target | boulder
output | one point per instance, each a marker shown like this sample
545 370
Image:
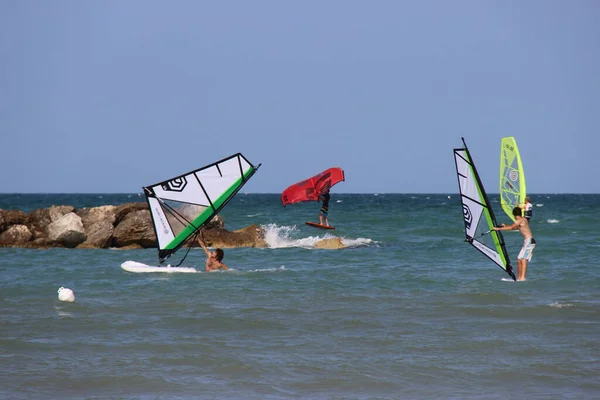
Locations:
41 243
133 246
215 223
12 217
15 235
330 243
67 230
39 219
135 228
250 236
98 223
122 210
57 212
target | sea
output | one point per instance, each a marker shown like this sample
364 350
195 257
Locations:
407 310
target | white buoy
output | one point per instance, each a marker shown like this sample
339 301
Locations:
66 294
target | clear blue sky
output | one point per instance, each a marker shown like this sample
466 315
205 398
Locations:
108 96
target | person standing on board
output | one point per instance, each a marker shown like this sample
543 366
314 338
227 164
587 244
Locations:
528 209
524 256
214 258
324 197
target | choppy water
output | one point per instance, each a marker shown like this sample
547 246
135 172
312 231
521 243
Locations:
407 311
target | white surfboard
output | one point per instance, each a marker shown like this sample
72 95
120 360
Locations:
138 267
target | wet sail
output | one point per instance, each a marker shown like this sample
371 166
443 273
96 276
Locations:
181 206
310 189
478 214
512 177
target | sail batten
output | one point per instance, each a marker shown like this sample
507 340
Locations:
479 218
183 205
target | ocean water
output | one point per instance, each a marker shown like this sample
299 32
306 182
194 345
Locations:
407 311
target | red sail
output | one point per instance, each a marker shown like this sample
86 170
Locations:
311 188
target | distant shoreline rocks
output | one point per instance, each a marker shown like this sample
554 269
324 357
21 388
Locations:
126 226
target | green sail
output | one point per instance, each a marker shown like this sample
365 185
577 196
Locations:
512 177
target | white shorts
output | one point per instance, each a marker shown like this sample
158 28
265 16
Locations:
527 249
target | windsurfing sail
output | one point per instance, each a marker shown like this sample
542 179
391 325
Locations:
183 205
477 212
310 189
512 177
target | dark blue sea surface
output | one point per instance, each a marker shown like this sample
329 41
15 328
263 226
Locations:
407 310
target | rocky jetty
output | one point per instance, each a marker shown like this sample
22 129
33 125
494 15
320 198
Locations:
127 226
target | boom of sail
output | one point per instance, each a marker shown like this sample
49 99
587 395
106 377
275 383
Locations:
512 177
310 189
183 205
478 214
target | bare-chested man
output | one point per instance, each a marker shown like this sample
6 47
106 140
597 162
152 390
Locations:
213 260
524 256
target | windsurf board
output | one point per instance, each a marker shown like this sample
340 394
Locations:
138 267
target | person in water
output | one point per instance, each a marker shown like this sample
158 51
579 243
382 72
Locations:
524 256
214 258
324 197
528 209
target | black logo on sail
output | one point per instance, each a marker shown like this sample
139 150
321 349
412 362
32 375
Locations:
175 185
467 216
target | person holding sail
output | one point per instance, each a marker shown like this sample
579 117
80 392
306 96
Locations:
524 256
214 258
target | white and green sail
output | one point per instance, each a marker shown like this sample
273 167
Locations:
512 177
181 206
478 215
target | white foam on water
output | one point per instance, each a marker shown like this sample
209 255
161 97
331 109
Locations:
556 304
278 237
282 268
358 242
62 313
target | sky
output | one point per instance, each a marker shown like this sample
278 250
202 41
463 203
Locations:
109 96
